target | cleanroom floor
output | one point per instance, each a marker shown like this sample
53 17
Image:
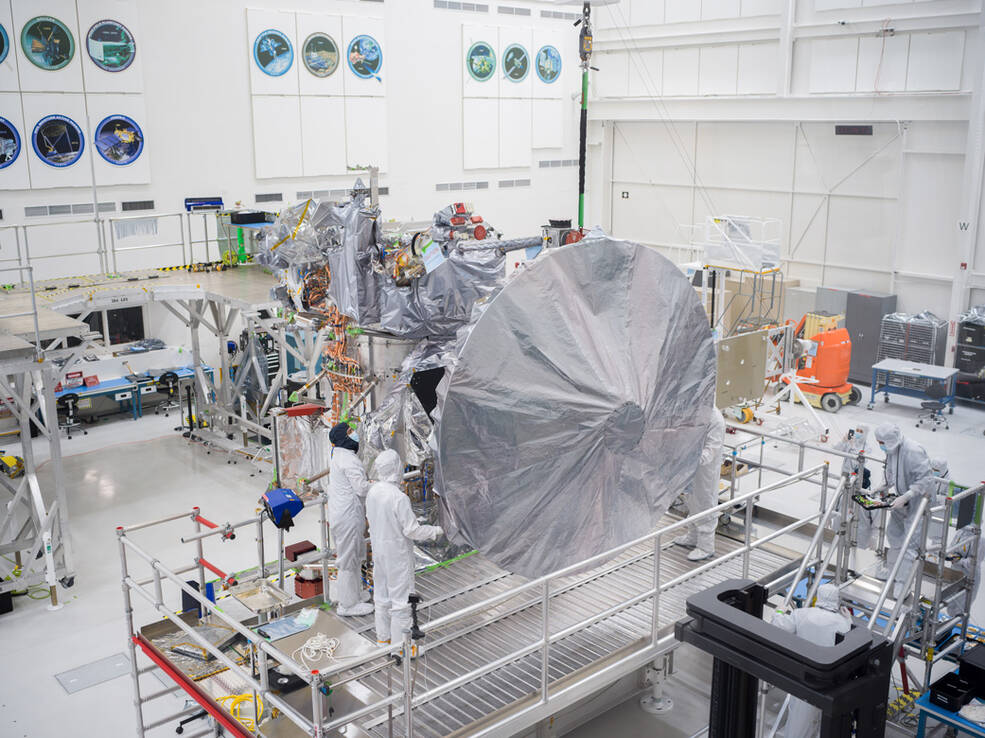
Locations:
127 471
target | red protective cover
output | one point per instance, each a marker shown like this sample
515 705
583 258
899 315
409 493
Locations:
192 689
306 409
91 381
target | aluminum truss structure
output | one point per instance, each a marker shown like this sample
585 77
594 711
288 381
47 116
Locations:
34 530
35 541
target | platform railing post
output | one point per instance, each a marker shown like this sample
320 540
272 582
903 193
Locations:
735 456
762 447
747 538
261 564
545 627
655 615
131 634
323 526
280 558
408 694
316 706
201 554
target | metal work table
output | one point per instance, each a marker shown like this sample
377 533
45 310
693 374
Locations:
943 716
884 372
123 390
120 389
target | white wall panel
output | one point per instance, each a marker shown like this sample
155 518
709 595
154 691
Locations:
646 73
130 79
718 70
714 9
745 155
32 77
258 21
644 12
741 202
836 4
522 37
276 136
481 134
651 214
858 165
8 67
759 65
471 35
548 124
807 228
374 86
654 152
15 176
932 186
949 137
36 107
681 72
331 26
612 79
132 106
681 11
861 231
366 132
607 17
935 61
882 63
760 7
833 64
515 121
323 136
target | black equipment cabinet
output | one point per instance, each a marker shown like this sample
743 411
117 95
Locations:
848 682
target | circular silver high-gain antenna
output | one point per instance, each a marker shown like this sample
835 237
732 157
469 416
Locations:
577 408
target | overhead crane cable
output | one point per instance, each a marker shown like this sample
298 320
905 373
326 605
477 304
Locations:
661 109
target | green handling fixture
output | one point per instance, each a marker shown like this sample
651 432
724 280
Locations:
585 51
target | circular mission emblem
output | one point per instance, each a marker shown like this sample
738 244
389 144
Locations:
481 61
320 55
47 43
516 63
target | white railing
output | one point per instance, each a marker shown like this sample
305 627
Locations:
540 590
193 239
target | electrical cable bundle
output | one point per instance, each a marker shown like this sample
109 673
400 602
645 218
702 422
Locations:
315 649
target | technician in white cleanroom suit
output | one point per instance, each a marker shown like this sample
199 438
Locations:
703 494
908 472
854 443
393 529
819 625
347 488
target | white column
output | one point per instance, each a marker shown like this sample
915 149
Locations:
971 199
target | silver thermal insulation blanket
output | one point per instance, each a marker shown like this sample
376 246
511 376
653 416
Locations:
574 412
346 237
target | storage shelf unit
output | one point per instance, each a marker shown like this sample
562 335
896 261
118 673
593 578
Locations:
920 338
970 361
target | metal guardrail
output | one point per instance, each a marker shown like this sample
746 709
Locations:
33 312
108 250
381 658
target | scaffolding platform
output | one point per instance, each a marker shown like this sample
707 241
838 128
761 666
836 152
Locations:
621 638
